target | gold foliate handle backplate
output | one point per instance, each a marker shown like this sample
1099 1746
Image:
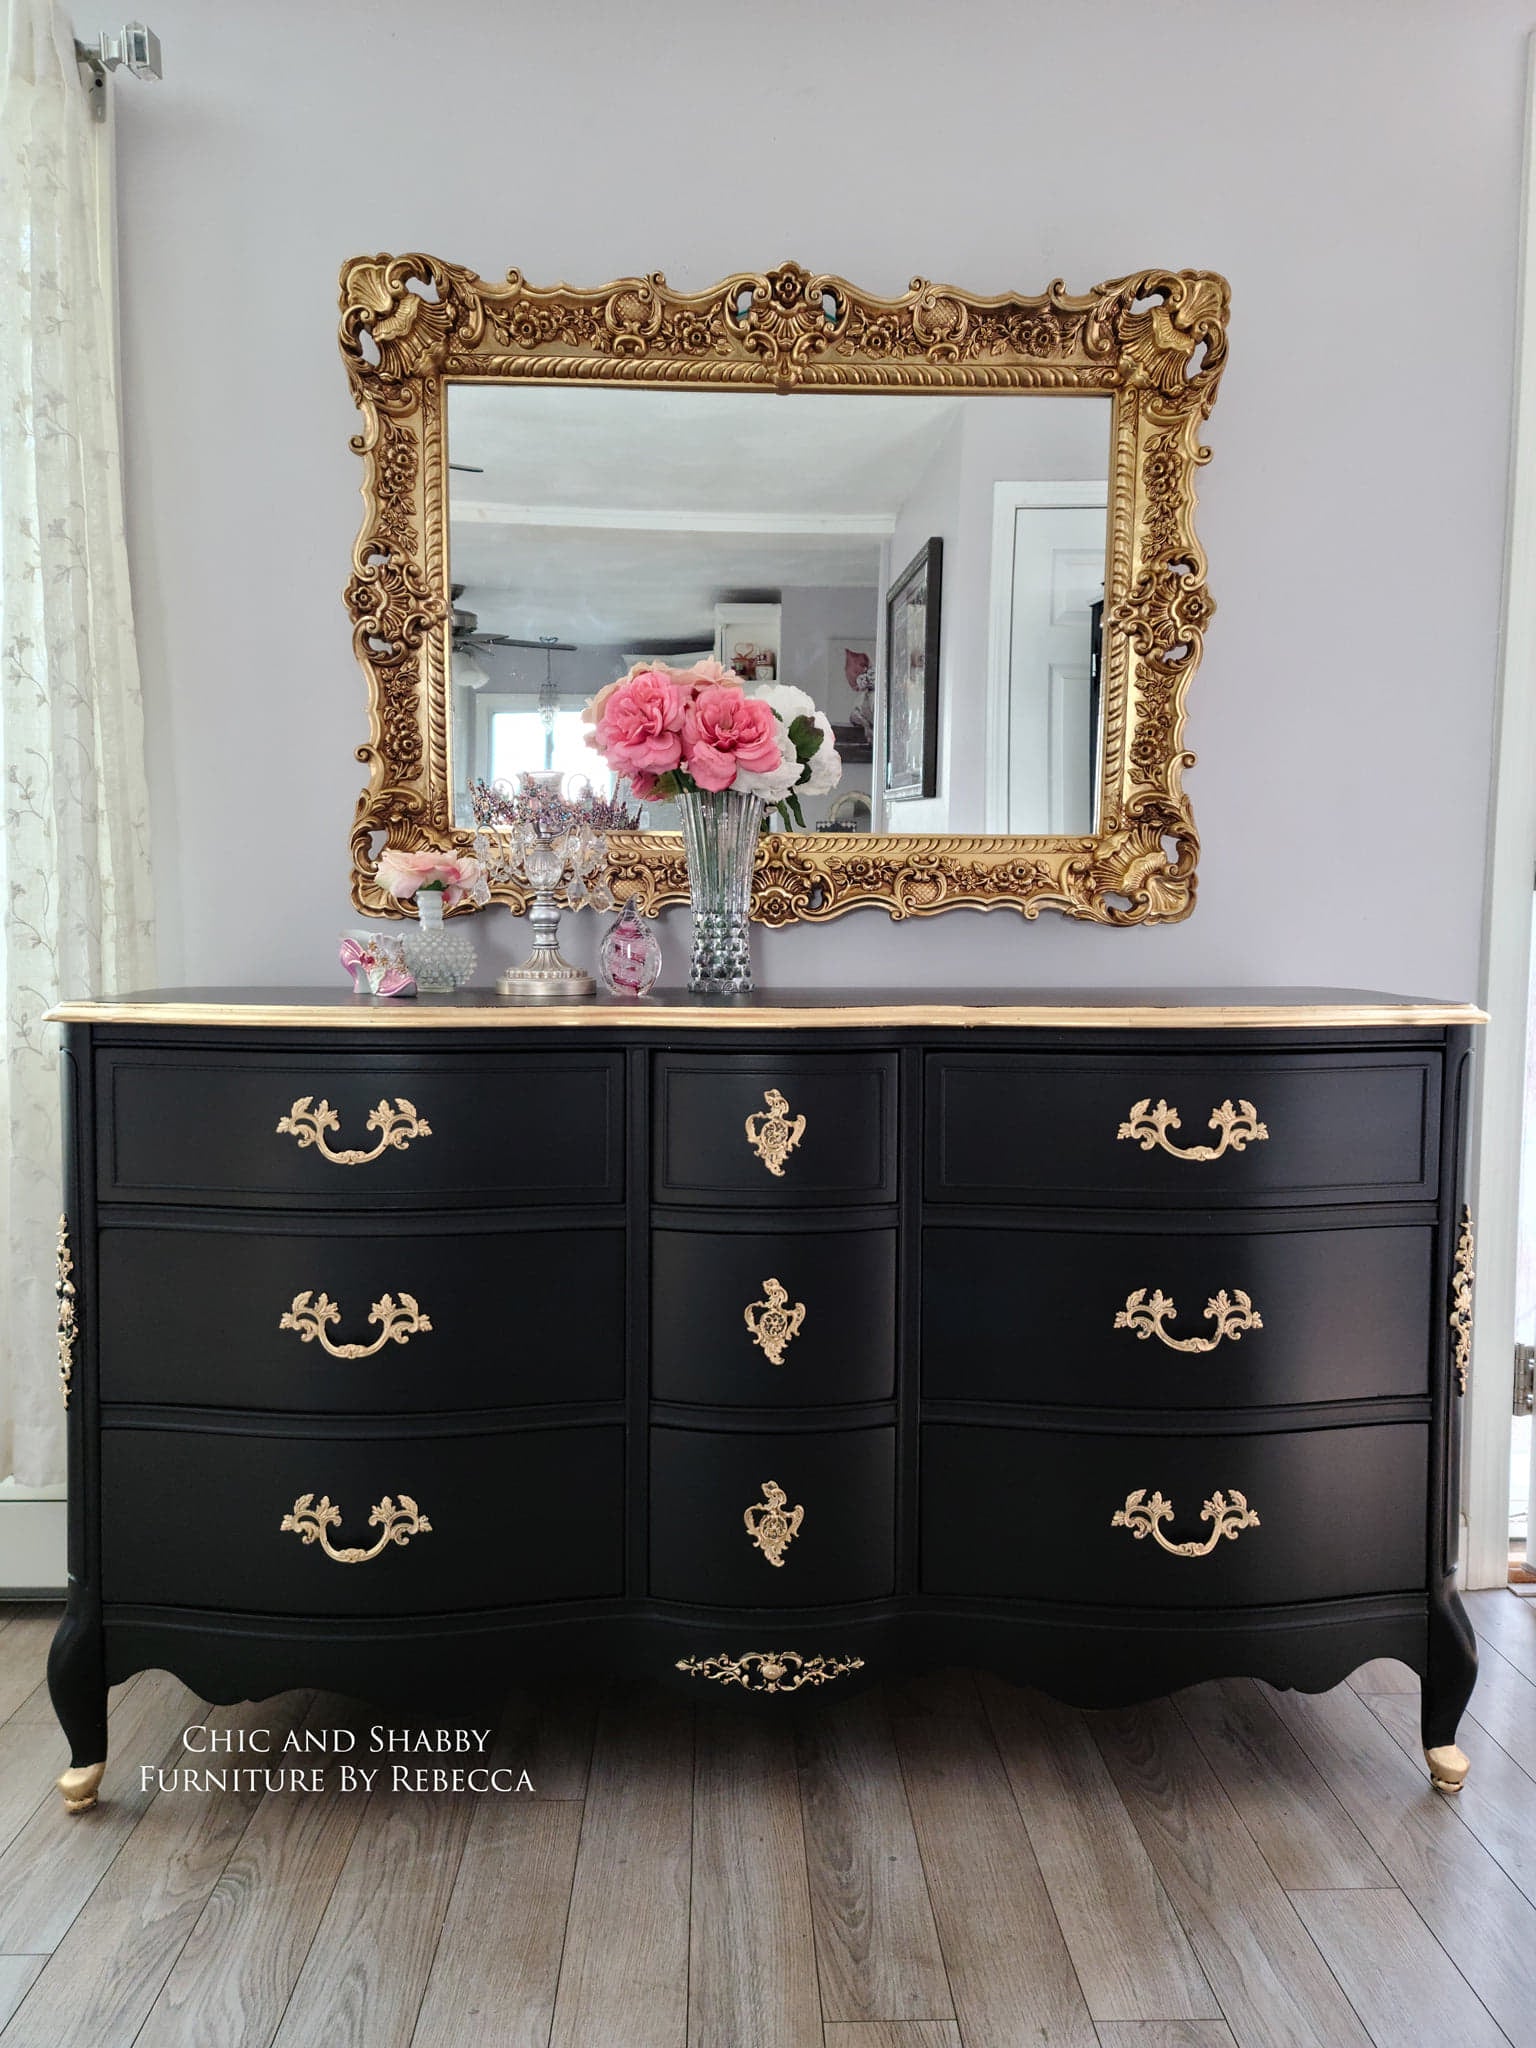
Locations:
773 1133
771 1529
1150 1126
69 1323
312 1522
311 1316
769 1670
1232 1314
1227 1515
309 1122
772 1322
1463 1274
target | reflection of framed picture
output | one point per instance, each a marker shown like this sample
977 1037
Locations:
849 697
912 677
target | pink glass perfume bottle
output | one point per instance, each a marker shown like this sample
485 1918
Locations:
629 959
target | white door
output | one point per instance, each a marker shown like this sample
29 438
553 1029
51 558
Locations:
1055 574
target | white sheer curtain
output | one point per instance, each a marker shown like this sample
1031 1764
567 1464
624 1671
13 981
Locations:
74 867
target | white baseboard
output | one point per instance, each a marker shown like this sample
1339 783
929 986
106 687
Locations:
34 1545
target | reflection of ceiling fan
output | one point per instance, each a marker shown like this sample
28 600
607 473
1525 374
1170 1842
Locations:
469 644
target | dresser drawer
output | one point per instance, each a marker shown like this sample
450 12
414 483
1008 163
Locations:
195 1519
446 1317
775 1131
1030 1316
362 1131
1030 1514
822 1309
705 1482
1079 1127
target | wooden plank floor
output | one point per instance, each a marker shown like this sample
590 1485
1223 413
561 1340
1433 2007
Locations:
951 1863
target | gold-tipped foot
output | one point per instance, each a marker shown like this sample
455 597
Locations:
78 1784
1448 1767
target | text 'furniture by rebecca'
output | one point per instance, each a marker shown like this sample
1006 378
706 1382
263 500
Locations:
1112 1343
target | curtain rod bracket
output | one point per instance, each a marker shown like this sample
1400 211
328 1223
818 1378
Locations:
134 45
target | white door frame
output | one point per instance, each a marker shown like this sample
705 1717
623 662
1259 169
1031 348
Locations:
1008 499
1506 954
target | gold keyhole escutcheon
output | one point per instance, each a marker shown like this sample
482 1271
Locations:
773 1133
771 1523
772 1322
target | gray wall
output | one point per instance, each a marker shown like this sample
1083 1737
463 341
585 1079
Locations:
1351 165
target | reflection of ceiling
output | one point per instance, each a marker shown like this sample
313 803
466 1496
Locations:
621 517
624 589
714 451
703 461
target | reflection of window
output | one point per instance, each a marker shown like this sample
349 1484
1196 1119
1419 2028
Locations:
521 740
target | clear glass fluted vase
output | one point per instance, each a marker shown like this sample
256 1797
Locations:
720 832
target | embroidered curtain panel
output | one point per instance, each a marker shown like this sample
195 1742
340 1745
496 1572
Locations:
74 867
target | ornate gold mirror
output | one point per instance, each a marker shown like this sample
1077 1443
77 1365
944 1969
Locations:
560 482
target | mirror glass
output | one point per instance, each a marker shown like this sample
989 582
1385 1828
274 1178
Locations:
789 538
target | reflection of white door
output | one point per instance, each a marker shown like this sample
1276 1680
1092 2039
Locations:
1048 570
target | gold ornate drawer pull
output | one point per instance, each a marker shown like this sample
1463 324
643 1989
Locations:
1231 1314
772 1322
772 1133
310 1523
1150 1126
399 1321
396 1128
769 1670
1461 1300
1143 1517
770 1528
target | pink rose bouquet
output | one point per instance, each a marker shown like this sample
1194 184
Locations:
672 730
402 874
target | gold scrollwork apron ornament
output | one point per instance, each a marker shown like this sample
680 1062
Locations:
769 1670
772 1133
772 1322
313 1523
770 1528
1145 1517
1239 1128
1230 1315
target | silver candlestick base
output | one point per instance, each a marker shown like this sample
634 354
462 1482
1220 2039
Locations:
544 977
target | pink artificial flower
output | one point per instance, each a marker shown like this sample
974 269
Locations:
401 874
643 786
724 730
641 725
704 672
592 710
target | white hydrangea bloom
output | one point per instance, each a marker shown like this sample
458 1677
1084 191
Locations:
772 784
825 767
786 702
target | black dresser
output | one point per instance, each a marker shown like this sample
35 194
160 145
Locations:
767 1346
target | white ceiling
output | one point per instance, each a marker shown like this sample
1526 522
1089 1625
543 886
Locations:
696 459
620 517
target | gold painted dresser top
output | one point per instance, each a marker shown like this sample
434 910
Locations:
1183 1009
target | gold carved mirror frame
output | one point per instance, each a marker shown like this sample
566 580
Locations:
1155 343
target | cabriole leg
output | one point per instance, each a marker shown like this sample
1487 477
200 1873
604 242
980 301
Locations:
78 1688
1448 1684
